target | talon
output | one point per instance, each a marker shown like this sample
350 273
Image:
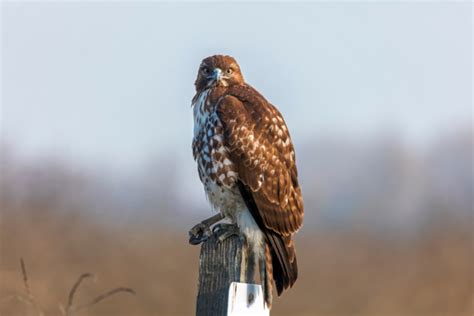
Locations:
194 240
217 228
199 233
223 231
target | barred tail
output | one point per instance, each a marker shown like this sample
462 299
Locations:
267 277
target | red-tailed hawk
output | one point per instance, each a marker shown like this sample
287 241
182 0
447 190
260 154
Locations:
246 162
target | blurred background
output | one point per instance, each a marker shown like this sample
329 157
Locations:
97 172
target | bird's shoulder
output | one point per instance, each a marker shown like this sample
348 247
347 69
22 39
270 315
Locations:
248 103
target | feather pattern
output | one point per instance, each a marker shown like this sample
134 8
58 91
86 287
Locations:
259 144
247 164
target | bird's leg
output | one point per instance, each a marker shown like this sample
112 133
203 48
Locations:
222 231
201 232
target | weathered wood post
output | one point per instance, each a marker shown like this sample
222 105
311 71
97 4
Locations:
219 270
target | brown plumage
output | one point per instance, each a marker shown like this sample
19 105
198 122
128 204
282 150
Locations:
242 144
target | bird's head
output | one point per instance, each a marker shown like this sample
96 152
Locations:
218 70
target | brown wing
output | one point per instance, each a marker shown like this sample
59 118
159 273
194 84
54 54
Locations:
260 145
259 142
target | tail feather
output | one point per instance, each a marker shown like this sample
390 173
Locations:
266 274
281 258
285 269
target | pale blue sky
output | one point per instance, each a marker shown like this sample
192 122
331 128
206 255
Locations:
112 82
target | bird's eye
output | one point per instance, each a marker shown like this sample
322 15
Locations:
205 70
229 71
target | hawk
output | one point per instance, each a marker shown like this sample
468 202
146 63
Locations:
246 162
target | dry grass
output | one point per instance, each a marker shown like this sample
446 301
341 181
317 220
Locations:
342 272
70 308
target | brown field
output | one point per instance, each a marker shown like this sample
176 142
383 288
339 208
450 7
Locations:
388 231
342 272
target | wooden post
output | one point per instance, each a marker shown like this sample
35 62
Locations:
219 269
219 266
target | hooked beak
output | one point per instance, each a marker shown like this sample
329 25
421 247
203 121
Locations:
216 75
